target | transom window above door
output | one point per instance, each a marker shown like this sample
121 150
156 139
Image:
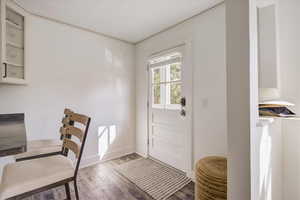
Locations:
166 81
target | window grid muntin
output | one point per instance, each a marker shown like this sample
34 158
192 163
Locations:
165 84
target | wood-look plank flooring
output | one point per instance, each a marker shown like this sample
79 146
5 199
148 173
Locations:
102 182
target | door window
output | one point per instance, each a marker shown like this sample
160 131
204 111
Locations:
166 81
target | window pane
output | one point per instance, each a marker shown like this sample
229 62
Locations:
156 94
156 75
175 93
175 71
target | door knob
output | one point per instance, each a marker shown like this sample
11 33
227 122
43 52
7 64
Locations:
183 102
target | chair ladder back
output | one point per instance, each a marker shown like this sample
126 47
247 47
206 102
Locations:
79 118
88 120
66 122
68 111
71 130
73 146
69 144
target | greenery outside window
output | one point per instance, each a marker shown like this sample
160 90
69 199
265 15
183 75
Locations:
166 82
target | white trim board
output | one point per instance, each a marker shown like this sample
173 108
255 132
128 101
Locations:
95 159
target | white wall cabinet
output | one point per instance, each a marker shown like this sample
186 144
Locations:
13 24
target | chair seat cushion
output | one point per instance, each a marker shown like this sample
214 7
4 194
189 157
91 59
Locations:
25 176
40 147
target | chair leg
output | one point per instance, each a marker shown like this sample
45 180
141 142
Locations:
76 190
68 194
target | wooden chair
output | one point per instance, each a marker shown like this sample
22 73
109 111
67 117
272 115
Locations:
23 179
44 148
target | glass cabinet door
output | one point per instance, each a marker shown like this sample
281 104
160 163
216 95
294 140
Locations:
14 49
12 60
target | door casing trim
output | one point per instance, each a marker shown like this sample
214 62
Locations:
188 60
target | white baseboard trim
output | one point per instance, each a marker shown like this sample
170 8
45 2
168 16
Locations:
96 159
191 175
142 154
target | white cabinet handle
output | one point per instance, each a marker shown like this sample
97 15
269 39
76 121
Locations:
5 70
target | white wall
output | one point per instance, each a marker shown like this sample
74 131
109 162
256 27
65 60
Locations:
91 74
289 48
207 33
242 95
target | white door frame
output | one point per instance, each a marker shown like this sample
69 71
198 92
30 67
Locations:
187 60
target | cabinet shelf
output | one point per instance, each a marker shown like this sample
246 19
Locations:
14 45
13 24
13 64
14 81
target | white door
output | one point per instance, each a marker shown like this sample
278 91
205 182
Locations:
170 84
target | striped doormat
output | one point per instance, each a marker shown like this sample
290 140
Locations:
159 181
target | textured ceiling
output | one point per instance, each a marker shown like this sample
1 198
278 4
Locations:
129 20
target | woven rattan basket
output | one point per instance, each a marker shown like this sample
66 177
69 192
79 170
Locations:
211 178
